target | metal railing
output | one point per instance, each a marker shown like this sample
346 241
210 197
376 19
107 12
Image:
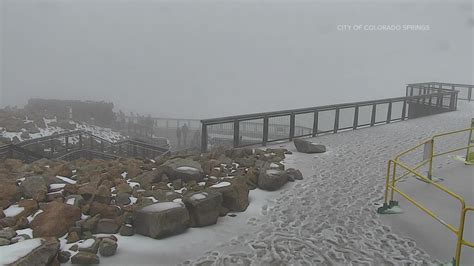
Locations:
428 149
465 90
77 143
313 121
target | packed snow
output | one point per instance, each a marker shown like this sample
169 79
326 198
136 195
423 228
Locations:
161 206
221 184
13 210
12 253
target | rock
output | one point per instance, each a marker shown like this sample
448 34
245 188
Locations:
20 238
124 188
9 193
161 219
305 146
90 245
7 233
294 174
45 254
235 194
184 169
122 198
103 194
238 152
91 223
146 179
62 170
4 242
203 207
85 258
107 247
55 219
126 230
64 256
246 161
77 200
105 211
272 179
72 237
87 190
34 187
107 226
12 164
177 184
223 211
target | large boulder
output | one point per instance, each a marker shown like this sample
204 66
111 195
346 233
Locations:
162 219
85 258
9 193
235 194
44 253
203 207
305 146
272 179
55 219
184 169
34 187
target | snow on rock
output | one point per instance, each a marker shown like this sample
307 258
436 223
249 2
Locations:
12 253
187 169
56 186
13 210
86 243
67 180
161 206
221 184
199 196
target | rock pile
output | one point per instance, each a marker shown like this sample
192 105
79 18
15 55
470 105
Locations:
76 200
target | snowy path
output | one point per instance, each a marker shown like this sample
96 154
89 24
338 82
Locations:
330 217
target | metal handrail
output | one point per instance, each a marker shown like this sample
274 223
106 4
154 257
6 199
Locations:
392 180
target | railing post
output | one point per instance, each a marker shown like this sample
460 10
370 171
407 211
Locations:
389 112
292 127
404 110
265 130
336 121
356 118
236 133
315 123
374 111
203 137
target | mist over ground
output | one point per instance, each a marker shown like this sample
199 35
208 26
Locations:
206 59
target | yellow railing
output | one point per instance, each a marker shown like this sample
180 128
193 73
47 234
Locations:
429 154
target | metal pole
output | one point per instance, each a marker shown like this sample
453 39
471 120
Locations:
292 126
389 112
336 121
356 118
404 109
315 123
236 133
203 137
374 110
265 130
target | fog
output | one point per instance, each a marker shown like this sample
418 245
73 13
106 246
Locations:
201 59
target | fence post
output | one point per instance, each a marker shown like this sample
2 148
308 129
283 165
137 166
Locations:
203 137
292 127
315 123
265 130
336 121
404 110
236 133
389 112
356 118
374 110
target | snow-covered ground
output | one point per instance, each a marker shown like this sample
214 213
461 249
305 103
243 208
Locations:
330 217
105 133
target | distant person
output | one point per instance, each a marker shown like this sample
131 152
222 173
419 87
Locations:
178 136
185 133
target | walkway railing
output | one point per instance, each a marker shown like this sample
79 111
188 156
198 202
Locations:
75 144
465 90
430 152
283 125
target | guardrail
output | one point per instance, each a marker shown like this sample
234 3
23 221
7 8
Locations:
326 119
73 144
428 149
465 90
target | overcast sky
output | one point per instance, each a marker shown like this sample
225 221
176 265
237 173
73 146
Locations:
202 59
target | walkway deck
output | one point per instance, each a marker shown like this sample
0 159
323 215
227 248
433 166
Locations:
330 217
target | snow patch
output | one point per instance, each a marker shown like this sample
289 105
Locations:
161 206
12 253
221 184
